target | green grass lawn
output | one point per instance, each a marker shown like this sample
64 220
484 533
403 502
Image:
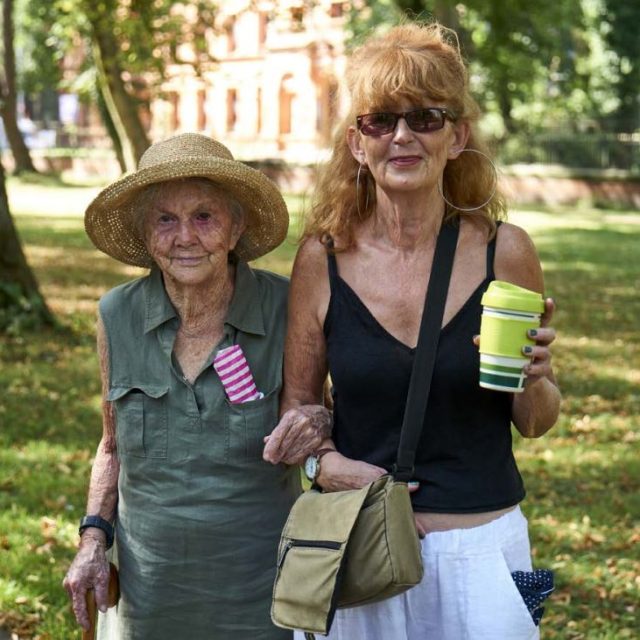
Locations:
583 478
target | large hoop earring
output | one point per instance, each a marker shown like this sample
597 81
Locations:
366 203
493 191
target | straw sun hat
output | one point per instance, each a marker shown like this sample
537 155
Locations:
110 219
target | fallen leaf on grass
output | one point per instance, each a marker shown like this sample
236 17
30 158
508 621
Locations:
59 503
48 527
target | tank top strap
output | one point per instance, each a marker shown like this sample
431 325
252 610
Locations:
491 254
332 265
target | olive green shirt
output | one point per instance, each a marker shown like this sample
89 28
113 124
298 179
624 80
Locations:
199 511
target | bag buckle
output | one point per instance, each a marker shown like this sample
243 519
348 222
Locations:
402 474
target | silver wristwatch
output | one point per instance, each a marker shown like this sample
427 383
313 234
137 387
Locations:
312 463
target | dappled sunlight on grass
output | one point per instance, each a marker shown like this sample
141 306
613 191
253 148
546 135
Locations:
37 199
582 478
538 219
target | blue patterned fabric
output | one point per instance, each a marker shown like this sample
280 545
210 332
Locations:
534 587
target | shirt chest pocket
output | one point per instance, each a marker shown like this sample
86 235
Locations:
141 420
248 423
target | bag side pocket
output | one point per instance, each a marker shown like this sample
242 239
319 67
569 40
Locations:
301 603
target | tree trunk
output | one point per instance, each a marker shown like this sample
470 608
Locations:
411 8
445 12
8 96
121 105
505 105
107 120
17 282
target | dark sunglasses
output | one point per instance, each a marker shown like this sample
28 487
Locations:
418 120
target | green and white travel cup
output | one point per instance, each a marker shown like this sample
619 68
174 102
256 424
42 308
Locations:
508 313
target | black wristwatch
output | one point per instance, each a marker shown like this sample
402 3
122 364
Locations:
98 523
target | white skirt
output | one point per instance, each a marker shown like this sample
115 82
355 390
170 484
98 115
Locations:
467 592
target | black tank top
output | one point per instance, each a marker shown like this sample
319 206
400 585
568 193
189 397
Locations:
464 461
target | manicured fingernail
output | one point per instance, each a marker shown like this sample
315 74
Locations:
527 350
533 333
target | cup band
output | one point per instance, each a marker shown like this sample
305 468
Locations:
502 374
507 314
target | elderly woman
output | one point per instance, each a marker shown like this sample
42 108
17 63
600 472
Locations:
179 468
406 161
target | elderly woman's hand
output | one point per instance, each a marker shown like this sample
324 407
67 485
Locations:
89 570
298 434
339 473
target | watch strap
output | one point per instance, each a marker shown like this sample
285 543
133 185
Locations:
323 452
98 522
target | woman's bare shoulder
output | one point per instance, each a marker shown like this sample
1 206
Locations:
310 287
310 276
311 256
516 258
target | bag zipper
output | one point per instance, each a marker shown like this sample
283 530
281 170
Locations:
314 544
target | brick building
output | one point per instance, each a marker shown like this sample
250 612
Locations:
274 89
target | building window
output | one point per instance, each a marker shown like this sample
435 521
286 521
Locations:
336 10
230 29
232 100
286 101
202 116
327 109
263 18
297 18
174 99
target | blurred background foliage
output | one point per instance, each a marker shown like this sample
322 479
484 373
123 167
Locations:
569 65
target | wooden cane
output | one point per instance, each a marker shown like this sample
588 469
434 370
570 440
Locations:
113 595
90 633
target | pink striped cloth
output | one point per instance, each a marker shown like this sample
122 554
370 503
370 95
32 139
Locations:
236 377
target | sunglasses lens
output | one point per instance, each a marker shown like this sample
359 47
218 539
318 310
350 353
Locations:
424 120
377 124
419 120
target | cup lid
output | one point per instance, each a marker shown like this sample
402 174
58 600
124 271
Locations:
504 295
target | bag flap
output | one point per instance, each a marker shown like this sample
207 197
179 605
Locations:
327 516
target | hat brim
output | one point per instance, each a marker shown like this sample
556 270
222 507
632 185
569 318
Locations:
110 220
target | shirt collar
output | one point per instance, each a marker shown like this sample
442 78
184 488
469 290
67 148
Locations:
158 306
245 310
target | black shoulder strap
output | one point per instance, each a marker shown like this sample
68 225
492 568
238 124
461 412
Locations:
332 264
491 253
425 355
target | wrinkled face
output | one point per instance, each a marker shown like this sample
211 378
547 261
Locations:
404 160
189 231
